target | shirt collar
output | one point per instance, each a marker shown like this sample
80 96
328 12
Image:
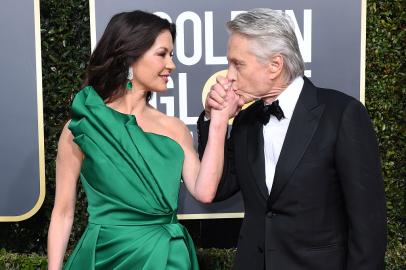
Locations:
288 98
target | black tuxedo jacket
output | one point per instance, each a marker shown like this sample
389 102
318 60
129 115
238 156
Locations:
326 209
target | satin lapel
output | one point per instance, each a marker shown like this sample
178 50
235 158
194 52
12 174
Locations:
303 124
256 159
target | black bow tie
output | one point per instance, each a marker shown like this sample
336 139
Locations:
265 111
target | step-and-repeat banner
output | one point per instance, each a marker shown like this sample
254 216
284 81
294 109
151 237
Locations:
331 37
22 177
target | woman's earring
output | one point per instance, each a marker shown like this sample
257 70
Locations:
130 77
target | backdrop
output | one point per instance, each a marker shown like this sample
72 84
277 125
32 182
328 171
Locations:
22 178
331 40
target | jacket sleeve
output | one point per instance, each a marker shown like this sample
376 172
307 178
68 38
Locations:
359 170
228 185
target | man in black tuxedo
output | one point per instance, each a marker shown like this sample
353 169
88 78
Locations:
304 158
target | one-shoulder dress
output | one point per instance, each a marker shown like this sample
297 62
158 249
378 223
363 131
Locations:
131 179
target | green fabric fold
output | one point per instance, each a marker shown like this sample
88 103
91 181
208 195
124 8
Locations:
132 180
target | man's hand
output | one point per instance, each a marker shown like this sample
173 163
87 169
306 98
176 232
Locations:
222 97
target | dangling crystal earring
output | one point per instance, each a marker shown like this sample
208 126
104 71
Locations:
130 77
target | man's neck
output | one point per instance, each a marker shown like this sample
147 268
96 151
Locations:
277 88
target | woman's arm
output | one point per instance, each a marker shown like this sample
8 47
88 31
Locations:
68 163
202 178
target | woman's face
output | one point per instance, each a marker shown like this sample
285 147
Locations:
152 69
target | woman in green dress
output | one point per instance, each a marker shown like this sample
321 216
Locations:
130 157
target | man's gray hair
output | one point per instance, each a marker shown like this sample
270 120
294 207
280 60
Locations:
271 32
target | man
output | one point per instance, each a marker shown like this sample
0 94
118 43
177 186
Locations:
307 166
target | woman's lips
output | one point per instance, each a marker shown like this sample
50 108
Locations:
165 77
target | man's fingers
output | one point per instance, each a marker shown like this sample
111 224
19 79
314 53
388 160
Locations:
213 104
245 98
217 95
223 81
241 101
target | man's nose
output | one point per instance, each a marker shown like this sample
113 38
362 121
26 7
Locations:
231 74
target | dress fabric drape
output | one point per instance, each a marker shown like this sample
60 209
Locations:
131 179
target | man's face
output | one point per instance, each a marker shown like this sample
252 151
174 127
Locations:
247 73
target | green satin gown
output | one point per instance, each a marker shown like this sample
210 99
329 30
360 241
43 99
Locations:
131 179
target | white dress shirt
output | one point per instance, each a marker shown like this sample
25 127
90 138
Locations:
275 131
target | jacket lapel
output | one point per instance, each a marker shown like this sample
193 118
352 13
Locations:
255 152
301 129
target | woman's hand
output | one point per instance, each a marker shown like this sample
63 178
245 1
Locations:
223 100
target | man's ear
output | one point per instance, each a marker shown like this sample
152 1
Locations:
275 66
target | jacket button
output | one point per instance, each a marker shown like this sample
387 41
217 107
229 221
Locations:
270 214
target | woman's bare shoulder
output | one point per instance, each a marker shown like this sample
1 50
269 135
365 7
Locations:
66 142
174 127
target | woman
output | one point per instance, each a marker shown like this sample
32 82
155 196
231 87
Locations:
130 157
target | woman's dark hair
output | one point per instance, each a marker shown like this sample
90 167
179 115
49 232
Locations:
127 37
